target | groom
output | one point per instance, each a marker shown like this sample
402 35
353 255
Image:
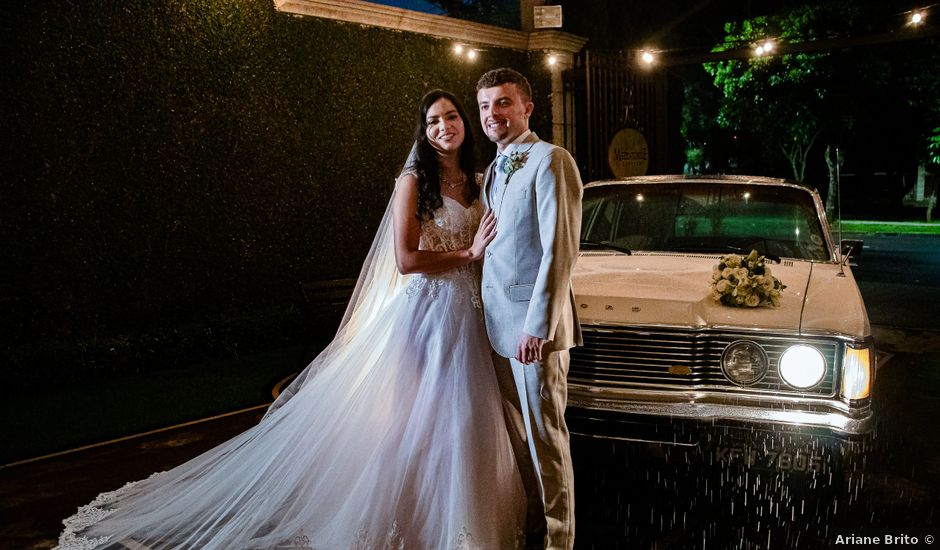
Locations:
534 189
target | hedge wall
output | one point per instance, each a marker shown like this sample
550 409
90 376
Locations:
176 166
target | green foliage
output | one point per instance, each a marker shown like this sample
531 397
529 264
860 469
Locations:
933 146
711 148
60 360
786 101
178 163
920 81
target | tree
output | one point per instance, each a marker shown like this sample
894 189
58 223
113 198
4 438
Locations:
790 101
710 147
921 80
933 146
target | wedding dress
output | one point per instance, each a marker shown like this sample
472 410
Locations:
393 438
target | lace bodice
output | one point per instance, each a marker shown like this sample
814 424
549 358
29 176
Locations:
452 228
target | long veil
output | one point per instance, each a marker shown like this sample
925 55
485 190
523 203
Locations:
393 433
378 285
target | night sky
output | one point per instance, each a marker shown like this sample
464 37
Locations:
417 5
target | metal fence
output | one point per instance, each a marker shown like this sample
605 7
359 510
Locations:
607 93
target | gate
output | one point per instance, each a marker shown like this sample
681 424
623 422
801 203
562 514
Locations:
607 94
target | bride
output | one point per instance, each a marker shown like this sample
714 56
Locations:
393 437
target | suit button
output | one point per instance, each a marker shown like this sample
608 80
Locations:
489 253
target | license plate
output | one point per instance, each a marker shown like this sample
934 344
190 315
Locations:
771 459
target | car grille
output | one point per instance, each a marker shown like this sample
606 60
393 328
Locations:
630 357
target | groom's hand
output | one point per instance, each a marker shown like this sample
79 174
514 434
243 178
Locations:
529 349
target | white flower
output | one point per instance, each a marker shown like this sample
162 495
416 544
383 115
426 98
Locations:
514 162
735 283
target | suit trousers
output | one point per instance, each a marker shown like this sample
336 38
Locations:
534 399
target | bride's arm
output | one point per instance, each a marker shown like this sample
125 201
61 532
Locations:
408 235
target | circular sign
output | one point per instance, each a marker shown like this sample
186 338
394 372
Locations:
628 154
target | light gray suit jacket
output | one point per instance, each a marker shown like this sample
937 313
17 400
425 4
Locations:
527 268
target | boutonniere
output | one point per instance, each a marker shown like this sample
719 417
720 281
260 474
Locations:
514 162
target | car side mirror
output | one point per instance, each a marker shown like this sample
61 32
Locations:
852 248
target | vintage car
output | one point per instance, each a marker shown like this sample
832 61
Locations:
661 344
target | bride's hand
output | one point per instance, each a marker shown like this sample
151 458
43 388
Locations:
485 234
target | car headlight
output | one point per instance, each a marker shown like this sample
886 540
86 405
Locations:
802 366
744 362
856 373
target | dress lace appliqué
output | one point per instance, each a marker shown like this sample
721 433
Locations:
91 514
394 539
465 541
452 228
301 542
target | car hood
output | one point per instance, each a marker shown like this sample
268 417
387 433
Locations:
675 290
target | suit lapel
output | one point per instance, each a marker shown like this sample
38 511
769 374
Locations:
526 144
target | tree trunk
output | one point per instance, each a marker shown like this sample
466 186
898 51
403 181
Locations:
798 155
931 202
797 161
834 160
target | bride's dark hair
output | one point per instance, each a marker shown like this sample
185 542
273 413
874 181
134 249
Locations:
425 165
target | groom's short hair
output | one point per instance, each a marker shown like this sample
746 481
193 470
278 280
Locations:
505 75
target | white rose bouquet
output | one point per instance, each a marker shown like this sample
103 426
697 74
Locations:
745 282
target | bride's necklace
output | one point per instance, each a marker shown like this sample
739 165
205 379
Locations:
451 184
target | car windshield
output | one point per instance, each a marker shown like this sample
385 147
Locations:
704 217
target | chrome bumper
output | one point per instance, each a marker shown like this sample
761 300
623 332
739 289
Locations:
708 406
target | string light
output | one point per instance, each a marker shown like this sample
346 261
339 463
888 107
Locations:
763 48
552 59
647 58
462 50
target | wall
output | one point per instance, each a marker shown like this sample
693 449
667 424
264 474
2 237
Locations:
174 169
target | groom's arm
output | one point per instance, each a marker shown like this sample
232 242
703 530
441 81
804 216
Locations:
558 193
